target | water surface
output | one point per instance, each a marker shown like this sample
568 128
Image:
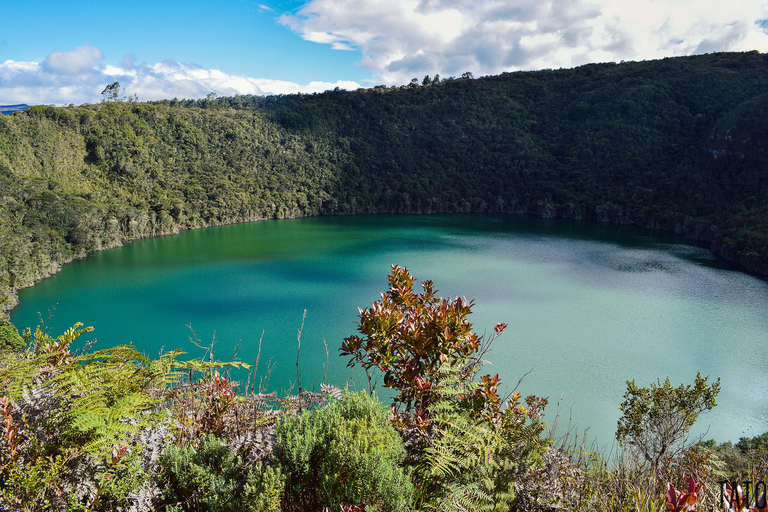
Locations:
588 305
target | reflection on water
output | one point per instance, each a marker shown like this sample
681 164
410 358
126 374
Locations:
589 305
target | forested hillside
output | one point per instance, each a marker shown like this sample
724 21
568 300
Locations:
676 144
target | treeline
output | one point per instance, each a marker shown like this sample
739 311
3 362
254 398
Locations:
676 144
80 179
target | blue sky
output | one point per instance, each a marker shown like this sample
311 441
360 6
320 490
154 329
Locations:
66 52
236 36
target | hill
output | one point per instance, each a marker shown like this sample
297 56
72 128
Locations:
675 144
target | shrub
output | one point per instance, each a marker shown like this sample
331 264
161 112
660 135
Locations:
656 420
70 421
210 477
420 341
345 453
10 339
264 488
467 445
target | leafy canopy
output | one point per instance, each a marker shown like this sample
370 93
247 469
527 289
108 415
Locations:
417 340
656 419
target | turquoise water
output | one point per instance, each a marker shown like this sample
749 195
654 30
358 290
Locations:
588 306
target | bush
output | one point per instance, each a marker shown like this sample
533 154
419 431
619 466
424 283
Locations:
10 339
467 445
210 477
346 453
264 488
656 420
420 341
70 422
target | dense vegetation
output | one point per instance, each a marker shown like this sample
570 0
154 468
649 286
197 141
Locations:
112 430
677 144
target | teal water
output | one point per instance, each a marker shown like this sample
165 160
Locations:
588 306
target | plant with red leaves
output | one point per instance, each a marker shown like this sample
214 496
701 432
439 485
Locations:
218 397
417 340
12 438
735 499
678 501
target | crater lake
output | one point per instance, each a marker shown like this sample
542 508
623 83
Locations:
589 306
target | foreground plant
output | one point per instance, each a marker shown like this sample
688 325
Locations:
342 455
421 341
209 477
71 421
656 419
468 445
678 501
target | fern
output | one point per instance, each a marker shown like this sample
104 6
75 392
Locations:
470 462
103 397
455 467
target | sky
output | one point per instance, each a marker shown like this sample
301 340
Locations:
56 52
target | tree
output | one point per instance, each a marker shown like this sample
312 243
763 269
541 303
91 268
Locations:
426 81
436 80
656 420
467 75
111 92
417 339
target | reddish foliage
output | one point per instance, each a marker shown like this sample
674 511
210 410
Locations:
219 395
677 501
737 500
12 438
412 338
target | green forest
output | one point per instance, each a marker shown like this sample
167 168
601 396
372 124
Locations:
677 144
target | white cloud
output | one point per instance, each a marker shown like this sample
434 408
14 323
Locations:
79 76
81 59
401 39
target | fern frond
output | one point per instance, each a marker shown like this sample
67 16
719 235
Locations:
74 332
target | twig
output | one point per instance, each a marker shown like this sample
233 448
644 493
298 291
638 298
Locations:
50 316
264 381
256 366
298 350
327 362
237 349
234 358
195 340
520 381
86 346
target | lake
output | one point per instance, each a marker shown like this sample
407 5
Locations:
588 305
